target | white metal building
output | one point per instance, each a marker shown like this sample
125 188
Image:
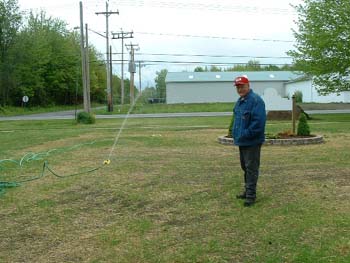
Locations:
310 94
210 87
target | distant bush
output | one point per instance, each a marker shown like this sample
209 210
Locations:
298 96
303 126
156 100
86 118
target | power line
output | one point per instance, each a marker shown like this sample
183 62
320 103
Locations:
217 6
149 62
155 62
216 37
202 55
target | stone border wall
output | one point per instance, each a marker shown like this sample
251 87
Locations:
292 141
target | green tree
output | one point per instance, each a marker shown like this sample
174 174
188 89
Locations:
199 69
271 68
160 83
147 93
41 58
237 67
10 22
322 48
303 126
98 78
287 67
252 65
46 61
215 69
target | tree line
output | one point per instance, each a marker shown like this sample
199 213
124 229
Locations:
251 65
40 58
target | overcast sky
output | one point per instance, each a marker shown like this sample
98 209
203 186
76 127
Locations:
241 30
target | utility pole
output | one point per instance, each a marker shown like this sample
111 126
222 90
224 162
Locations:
122 35
109 89
294 112
132 68
140 76
111 73
87 69
83 58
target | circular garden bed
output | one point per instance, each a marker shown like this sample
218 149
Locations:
290 140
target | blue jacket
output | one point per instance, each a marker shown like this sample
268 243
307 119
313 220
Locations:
250 118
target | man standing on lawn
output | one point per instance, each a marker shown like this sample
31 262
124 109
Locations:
248 133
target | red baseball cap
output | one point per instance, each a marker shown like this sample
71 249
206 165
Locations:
241 80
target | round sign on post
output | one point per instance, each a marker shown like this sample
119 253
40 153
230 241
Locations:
25 99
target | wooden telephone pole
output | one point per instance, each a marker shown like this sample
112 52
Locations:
132 69
109 87
84 46
122 35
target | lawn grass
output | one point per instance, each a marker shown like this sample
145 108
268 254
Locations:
27 110
141 108
144 108
168 194
325 106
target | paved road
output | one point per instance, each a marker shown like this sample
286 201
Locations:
66 115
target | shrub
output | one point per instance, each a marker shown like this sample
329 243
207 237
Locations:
298 96
303 126
86 118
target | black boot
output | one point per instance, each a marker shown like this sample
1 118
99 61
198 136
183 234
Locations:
249 202
241 196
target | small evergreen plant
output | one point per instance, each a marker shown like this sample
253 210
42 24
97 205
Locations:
303 126
86 118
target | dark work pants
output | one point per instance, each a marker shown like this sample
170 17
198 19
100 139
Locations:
250 162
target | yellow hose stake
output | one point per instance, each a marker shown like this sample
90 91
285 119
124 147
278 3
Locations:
106 161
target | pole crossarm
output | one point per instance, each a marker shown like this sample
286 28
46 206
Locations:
120 35
132 47
108 13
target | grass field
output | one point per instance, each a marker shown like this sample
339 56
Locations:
27 110
141 108
168 194
205 107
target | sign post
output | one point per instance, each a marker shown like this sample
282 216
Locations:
294 113
25 99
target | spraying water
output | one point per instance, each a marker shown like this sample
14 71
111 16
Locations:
121 130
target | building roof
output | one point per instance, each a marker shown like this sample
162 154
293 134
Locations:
230 76
300 78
